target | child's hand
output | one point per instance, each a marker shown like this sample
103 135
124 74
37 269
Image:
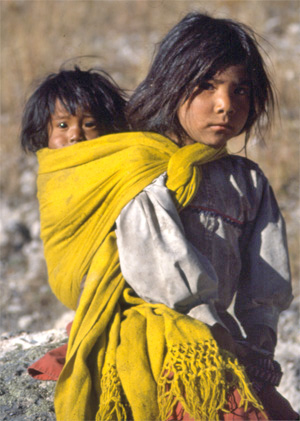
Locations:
277 407
226 341
262 337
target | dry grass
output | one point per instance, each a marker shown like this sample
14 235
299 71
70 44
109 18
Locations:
38 36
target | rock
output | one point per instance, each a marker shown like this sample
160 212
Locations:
23 398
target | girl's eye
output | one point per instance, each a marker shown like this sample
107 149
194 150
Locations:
243 90
90 124
207 86
62 125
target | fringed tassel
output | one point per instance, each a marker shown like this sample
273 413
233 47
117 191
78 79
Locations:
201 379
241 382
111 407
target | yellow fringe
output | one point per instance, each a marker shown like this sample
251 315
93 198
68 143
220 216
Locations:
200 378
111 407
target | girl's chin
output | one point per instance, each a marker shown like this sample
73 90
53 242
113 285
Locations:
214 143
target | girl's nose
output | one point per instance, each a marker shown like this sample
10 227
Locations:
76 134
224 103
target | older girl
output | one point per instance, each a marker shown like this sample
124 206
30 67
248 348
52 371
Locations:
208 84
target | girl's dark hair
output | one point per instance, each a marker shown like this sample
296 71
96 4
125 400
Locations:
92 90
193 51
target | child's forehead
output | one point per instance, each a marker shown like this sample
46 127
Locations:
59 107
63 108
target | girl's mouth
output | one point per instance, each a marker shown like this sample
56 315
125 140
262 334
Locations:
223 127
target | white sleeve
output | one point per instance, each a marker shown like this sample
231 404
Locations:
157 260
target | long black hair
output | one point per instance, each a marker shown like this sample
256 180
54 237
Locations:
93 90
192 52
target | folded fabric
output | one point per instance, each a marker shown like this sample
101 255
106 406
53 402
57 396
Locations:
121 349
50 365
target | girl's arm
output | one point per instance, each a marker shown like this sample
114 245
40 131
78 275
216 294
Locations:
156 259
265 285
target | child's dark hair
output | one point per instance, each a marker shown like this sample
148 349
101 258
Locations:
92 90
193 51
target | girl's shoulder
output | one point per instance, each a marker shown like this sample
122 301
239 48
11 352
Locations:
238 167
232 185
243 170
240 163
235 179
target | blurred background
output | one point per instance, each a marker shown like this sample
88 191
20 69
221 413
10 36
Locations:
37 37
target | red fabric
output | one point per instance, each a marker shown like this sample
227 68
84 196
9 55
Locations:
235 414
51 364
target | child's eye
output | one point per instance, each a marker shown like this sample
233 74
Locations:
90 124
62 125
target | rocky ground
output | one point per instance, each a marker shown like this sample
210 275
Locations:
22 397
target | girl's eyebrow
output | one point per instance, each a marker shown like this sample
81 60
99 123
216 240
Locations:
244 82
238 82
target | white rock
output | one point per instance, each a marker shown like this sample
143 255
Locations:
28 340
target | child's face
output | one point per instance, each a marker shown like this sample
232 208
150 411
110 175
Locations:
65 129
220 111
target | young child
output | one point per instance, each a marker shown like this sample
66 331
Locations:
72 106
68 107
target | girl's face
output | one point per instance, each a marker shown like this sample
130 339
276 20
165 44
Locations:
220 110
65 129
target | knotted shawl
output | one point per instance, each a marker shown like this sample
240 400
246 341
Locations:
126 359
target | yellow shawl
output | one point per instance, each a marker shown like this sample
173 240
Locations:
126 359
